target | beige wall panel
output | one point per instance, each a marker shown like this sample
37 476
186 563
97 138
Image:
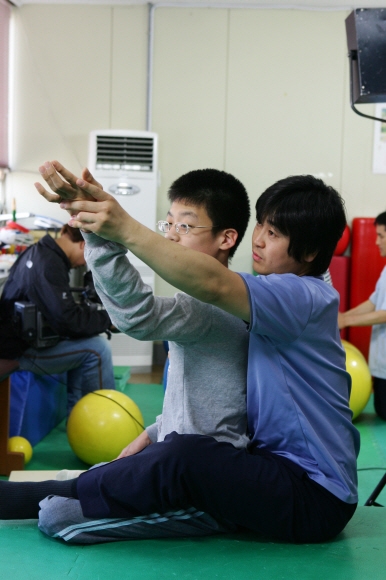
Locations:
63 81
363 191
285 95
189 89
62 53
129 68
77 68
189 98
285 92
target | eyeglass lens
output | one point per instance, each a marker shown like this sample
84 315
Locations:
166 227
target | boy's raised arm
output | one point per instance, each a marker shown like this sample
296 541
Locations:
94 210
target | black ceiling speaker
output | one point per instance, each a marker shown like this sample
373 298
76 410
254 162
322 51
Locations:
366 41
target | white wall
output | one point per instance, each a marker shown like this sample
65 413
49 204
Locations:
260 93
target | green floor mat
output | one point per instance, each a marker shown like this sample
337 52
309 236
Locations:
358 553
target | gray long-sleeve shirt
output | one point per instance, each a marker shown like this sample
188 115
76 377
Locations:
208 348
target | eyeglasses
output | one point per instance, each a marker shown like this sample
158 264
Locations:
180 228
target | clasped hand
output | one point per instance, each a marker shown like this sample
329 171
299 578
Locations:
91 208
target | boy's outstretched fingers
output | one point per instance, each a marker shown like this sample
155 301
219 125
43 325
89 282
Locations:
51 197
62 182
71 178
56 168
64 189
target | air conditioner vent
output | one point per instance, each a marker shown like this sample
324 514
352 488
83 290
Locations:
124 153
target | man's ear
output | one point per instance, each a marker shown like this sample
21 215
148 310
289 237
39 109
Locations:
82 245
229 238
310 257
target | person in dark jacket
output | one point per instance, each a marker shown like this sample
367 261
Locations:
41 276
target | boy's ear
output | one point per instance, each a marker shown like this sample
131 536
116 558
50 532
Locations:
229 238
310 257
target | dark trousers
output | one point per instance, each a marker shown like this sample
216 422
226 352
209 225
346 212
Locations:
241 489
379 387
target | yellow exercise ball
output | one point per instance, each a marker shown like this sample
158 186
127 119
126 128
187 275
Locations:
20 445
101 424
361 385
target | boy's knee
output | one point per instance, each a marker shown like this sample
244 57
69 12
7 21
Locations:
181 444
185 448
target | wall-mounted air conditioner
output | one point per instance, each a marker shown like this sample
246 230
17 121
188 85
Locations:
125 163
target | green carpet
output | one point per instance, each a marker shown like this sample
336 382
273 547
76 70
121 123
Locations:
358 553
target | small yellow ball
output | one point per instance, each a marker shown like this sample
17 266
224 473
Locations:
361 386
20 445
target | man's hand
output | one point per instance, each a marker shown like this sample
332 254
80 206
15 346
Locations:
63 183
136 446
114 329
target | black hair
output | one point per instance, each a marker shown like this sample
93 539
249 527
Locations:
74 234
224 198
380 220
311 213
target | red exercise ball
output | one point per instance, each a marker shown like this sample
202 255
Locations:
343 243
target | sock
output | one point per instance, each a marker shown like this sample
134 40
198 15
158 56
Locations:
19 500
68 474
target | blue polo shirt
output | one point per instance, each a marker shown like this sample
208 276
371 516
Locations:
298 387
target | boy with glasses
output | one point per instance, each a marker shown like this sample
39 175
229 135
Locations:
206 384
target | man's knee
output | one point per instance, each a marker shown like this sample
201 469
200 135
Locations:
100 345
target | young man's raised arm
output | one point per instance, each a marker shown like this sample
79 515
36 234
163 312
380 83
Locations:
96 211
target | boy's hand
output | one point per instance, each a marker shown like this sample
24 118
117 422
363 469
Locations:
136 446
103 216
91 208
63 183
